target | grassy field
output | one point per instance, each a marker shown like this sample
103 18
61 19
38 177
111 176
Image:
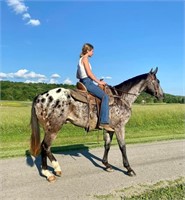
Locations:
148 123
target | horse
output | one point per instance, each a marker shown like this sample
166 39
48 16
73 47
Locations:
54 108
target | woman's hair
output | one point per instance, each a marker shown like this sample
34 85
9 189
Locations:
86 47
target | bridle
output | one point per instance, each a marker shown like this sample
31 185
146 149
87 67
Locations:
115 91
152 81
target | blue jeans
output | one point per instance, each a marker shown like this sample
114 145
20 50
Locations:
98 92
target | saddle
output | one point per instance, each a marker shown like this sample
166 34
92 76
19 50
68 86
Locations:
81 94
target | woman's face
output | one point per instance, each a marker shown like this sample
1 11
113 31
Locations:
90 53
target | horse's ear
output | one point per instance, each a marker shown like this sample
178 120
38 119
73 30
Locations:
151 71
155 72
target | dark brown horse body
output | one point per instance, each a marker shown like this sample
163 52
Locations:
54 108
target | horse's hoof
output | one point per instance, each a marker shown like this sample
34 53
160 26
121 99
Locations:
109 169
51 179
58 173
131 173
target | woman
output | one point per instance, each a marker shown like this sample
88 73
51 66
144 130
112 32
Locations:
84 73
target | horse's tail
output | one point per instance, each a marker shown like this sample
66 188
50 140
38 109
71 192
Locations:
35 135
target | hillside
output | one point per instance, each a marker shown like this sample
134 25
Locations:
20 91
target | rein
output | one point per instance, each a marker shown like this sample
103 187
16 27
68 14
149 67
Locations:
120 91
120 97
151 80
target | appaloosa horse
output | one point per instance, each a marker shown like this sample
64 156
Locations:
54 108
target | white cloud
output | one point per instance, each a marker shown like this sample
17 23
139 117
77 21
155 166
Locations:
53 81
26 16
20 73
67 81
106 77
19 7
34 22
30 81
40 80
33 77
23 74
3 75
55 76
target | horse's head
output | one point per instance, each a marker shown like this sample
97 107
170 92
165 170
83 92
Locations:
153 85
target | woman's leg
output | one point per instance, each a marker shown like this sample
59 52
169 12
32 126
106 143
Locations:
104 111
98 92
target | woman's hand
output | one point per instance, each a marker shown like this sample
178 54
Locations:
101 82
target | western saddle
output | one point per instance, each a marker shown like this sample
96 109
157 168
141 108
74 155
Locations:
81 94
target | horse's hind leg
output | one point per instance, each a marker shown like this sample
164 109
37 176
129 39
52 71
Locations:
46 152
108 139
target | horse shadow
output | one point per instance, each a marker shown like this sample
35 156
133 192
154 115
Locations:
74 151
35 161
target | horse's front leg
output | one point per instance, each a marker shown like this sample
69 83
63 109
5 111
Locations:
120 135
107 139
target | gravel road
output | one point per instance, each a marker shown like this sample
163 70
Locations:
84 175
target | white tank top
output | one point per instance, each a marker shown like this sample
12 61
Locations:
81 73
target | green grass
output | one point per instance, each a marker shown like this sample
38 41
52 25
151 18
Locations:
148 123
170 192
163 190
15 103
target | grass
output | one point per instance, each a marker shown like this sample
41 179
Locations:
163 190
167 193
148 123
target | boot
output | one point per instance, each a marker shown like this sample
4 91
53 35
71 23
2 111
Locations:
106 127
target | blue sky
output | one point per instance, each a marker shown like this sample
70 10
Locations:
41 40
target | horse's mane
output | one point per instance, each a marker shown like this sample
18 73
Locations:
128 84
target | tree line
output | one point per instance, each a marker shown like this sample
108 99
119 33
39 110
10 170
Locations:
19 91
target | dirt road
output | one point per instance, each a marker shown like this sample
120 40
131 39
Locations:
84 175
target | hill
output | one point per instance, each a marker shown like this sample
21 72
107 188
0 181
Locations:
20 91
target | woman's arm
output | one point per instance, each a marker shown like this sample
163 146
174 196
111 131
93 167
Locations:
89 71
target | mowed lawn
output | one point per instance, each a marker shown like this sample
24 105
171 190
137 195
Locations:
148 123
